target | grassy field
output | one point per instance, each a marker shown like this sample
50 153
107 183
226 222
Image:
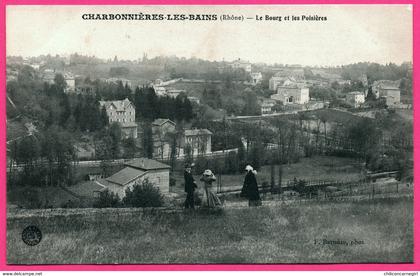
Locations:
328 168
383 230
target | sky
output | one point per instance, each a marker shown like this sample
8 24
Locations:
352 33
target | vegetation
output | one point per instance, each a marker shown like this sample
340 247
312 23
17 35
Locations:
107 199
143 195
268 234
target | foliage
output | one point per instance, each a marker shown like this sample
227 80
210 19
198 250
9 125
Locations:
147 139
129 146
149 106
107 199
375 71
145 194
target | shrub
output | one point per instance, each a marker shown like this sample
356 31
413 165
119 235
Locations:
143 195
107 199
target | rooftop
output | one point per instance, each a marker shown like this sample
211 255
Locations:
161 121
389 87
86 188
125 176
356 93
118 105
194 132
128 124
146 164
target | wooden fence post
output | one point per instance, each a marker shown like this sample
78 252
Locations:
373 190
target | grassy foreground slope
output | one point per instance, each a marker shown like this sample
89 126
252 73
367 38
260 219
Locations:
275 234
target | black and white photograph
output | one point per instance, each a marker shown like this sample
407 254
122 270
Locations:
234 134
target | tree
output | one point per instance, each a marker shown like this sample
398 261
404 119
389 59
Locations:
280 172
148 143
272 178
370 96
107 199
103 118
251 104
115 134
241 156
129 146
60 82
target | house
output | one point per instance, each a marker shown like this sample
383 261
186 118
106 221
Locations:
71 82
161 129
266 106
274 82
355 98
199 141
241 64
383 83
391 95
292 94
87 190
48 76
134 173
363 78
124 113
256 78
85 89
159 90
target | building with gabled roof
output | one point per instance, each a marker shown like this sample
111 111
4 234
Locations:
292 94
355 98
391 94
256 78
199 140
266 106
134 173
124 113
241 64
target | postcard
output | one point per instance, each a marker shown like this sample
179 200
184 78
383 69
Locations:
209 135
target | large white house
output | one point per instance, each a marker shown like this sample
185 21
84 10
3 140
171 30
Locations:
199 141
242 64
124 113
256 78
391 95
292 95
355 98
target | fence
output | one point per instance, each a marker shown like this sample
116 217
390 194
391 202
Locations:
331 190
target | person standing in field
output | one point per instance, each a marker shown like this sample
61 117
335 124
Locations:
250 187
210 198
190 186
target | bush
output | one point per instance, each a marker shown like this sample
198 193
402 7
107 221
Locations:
107 199
143 195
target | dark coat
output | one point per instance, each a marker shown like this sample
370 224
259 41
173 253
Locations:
250 188
189 182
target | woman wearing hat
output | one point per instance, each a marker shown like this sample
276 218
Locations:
210 198
250 188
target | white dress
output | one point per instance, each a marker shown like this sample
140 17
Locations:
210 198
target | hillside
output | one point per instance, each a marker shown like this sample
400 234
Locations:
311 232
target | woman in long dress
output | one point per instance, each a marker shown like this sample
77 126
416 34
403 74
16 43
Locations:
210 198
250 188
